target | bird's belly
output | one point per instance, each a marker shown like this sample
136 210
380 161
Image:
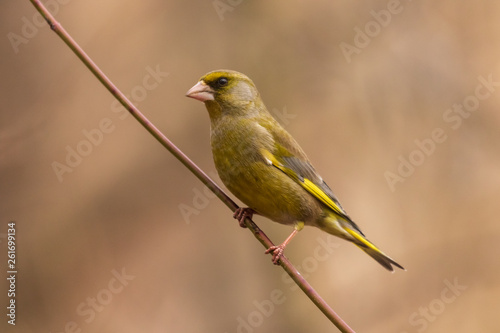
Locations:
268 191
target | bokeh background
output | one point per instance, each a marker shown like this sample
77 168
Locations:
118 210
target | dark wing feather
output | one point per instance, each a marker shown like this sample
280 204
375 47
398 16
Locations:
291 159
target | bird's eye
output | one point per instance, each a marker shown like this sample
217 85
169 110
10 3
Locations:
222 82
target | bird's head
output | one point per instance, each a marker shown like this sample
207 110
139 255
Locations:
228 90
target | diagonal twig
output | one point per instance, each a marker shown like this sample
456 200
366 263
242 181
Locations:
257 232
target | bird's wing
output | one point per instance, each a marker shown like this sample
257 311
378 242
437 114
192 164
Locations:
288 157
304 174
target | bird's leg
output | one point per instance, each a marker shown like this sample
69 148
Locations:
242 213
277 251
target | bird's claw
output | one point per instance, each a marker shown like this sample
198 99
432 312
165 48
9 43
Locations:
277 252
241 214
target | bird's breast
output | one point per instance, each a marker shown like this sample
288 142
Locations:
264 188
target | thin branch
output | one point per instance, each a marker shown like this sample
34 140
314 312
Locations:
257 232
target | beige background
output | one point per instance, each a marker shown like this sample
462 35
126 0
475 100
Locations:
118 209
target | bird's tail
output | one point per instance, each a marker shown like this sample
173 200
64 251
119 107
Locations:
365 245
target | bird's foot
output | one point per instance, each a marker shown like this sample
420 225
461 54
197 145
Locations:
277 252
241 214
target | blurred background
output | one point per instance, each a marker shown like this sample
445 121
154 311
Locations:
396 104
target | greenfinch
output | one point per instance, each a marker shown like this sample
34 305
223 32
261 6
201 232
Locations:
264 167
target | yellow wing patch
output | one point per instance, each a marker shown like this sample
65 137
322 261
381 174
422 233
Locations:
319 194
308 185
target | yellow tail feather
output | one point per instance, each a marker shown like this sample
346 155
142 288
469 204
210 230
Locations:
373 251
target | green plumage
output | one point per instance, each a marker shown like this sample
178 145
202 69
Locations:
262 165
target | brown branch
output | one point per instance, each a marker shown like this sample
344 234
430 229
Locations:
257 232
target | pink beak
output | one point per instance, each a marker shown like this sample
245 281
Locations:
201 92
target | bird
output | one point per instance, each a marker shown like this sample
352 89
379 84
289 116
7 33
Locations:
264 167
